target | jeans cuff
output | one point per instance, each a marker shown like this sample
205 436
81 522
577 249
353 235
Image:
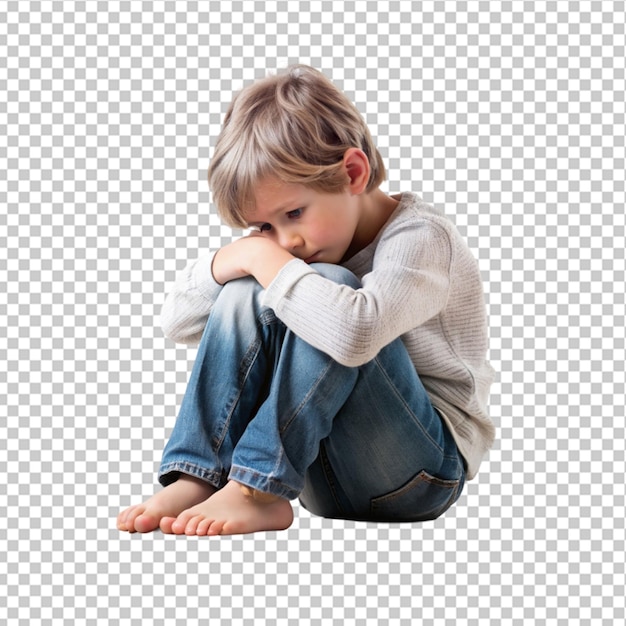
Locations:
168 470
261 482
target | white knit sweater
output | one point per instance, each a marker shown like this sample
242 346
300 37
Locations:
419 282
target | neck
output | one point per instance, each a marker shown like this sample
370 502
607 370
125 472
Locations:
376 208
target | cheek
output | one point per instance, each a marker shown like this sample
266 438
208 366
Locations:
325 233
332 227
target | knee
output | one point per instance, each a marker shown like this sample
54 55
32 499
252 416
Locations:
243 294
337 273
241 287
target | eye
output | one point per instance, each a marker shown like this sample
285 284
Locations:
265 227
295 214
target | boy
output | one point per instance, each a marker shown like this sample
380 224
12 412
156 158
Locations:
342 343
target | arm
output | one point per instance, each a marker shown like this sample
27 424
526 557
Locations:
253 255
189 304
408 285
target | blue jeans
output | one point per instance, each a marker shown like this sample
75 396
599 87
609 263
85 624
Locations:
268 410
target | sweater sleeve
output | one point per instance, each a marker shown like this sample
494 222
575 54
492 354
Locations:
187 307
407 285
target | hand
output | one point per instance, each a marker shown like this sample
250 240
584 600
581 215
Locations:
253 255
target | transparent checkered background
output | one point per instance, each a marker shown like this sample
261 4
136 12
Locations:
508 114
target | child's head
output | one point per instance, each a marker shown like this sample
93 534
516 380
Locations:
295 127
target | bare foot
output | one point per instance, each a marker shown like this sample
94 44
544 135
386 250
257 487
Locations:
163 507
231 512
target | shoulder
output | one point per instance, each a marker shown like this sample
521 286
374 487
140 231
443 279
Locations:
418 225
412 209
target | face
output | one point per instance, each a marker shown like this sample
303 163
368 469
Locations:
313 226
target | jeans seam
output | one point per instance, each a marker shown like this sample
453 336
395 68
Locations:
248 359
408 408
304 401
329 476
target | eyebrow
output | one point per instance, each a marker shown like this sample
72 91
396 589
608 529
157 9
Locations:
276 211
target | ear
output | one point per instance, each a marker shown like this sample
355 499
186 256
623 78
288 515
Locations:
357 166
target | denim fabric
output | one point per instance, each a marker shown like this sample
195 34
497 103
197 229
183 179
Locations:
268 410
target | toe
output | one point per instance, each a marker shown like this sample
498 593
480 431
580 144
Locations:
203 527
192 525
130 522
180 523
166 525
122 518
216 528
146 523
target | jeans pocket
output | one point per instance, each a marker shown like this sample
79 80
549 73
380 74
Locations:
424 497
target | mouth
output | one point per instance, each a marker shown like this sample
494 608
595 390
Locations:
312 258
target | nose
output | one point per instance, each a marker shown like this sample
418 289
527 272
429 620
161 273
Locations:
290 240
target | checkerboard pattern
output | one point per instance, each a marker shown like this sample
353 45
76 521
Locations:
510 115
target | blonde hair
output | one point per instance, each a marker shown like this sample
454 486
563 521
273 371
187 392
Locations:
295 126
